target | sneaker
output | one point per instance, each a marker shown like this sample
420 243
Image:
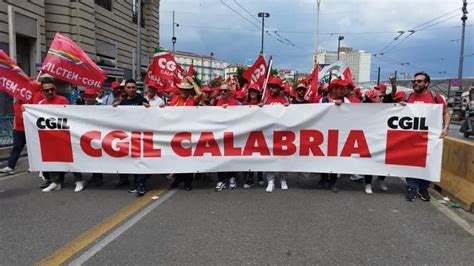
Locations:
411 195
45 184
270 187
141 190
132 190
7 170
284 185
261 183
79 186
382 185
220 186
424 195
333 188
249 184
52 187
232 183
368 189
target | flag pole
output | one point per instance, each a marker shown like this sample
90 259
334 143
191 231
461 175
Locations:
39 74
268 76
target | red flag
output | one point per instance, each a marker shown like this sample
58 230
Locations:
347 75
14 81
257 72
67 61
165 67
312 90
190 71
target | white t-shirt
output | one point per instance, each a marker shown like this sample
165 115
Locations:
155 101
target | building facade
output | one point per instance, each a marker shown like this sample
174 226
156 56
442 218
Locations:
231 70
357 60
104 29
207 67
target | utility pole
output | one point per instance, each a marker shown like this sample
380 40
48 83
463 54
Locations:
378 76
461 54
263 15
139 41
339 45
210 67
316 48
173 39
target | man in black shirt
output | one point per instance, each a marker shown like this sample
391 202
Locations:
388 98
300 92
133 99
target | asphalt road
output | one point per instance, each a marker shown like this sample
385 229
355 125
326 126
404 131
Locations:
302 225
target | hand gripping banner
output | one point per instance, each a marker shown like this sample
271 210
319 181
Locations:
374 139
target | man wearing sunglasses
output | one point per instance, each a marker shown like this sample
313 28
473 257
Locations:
48 89
422 95
226 97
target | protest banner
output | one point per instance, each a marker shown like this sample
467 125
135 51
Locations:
375 139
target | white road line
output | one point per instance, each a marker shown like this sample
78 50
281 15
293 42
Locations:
120 230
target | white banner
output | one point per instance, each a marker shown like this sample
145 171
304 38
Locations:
376 139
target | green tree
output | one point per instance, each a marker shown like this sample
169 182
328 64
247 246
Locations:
215 83
240 77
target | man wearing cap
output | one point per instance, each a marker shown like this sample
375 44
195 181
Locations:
422 95
275 98
133 99
186 87
115 95
388 98
48 88
300 92
207 99
153 98
336 95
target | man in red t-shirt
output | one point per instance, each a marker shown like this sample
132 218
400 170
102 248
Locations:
275 97
48 89
422 95
226 97
19 139
184 98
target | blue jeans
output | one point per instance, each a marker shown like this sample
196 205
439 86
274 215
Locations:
19 142
417 184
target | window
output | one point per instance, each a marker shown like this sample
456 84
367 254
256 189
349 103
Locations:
135 13
107 4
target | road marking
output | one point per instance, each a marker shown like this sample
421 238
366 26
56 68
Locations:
85 239
119 231
453 216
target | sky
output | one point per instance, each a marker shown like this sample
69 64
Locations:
232 31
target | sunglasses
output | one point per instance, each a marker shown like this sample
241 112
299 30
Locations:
418 81
48 90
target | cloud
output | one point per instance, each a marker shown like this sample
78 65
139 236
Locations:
210 26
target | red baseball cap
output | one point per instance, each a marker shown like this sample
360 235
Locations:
206 89
90 92
373 93
254 86
274 81
115 85
339 82
381 86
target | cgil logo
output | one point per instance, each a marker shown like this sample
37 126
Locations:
55 139
407 134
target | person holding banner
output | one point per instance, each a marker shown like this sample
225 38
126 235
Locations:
374 96
336 95
300 93
133 99
225 101
422 95
48 88
275 97
185 97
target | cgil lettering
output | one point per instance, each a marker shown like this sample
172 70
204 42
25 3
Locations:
415 123
70 75
52 123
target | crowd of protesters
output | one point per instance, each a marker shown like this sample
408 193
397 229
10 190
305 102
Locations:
188 93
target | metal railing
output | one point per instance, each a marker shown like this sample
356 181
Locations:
6 130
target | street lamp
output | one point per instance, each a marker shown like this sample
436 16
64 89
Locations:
210 67
339 45
263 15
173 39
